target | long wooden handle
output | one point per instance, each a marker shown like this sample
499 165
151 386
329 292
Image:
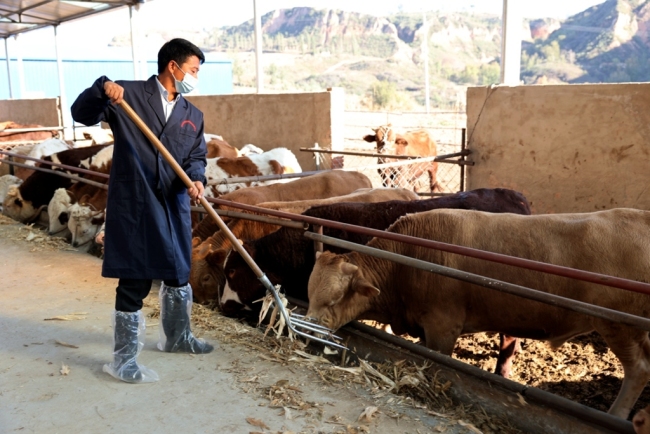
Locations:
188 182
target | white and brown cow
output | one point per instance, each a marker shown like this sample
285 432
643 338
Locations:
439 309
277 161
25 202
417 143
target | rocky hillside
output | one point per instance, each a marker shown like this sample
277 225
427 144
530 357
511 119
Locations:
379 60
605 43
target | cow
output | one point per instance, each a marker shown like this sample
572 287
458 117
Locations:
274 162
206 275
25 202
38 150
439 309
218 148
86 219
291 268
7 181
6 135
413 143
287 256
95 196
47 148
320 185
250 149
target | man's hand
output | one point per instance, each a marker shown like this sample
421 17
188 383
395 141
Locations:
195 192
114 91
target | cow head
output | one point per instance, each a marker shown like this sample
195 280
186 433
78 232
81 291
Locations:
84 224
17 208
243 287
384 137
338 291
206 272
57 210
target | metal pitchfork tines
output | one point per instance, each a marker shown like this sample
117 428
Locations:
292 321
295 321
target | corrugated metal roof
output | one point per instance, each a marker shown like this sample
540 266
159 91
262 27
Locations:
19 16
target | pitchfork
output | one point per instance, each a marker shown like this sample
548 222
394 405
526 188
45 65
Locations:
292 320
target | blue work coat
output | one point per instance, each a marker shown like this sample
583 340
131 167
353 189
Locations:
148 226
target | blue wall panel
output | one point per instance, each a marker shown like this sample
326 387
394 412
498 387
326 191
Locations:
41 79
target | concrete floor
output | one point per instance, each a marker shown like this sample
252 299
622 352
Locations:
195 394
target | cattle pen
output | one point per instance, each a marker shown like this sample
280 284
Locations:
471 385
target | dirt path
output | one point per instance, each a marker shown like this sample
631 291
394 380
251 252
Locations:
55 324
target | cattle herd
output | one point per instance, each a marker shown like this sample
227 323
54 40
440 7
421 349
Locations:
342 286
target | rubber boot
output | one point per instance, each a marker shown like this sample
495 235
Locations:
129 332
175 311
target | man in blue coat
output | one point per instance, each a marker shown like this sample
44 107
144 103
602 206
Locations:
148 226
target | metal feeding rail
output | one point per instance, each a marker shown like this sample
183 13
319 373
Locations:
587 276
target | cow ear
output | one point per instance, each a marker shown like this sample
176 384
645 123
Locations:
84 199
201 252
370 138
195 242
365 289
216 258
347 268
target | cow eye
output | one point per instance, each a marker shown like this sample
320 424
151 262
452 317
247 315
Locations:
63 218
18 202
231 273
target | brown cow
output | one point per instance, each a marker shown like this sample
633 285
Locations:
6 135
220 148
206 274
417 143
438 309
320 185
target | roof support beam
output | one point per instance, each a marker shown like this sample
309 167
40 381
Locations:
512 20
11 92
59 68
258 48
21 71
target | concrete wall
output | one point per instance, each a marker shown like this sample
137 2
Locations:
42 111
277 120
568 148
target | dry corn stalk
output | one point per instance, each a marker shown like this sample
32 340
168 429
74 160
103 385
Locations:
267 302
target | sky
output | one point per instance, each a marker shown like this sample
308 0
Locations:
88 37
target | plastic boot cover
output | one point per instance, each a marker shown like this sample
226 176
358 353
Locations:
128 337
175 333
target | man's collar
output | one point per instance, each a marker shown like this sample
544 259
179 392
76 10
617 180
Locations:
164 92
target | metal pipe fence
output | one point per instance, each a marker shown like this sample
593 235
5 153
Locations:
587 276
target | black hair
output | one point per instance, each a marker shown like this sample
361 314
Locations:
177 50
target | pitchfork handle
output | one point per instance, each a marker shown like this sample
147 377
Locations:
188 182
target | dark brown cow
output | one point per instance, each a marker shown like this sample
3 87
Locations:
321 185
417 143
206 275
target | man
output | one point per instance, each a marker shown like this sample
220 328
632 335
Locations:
148 227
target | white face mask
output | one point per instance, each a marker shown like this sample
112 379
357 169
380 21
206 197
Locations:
188 84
